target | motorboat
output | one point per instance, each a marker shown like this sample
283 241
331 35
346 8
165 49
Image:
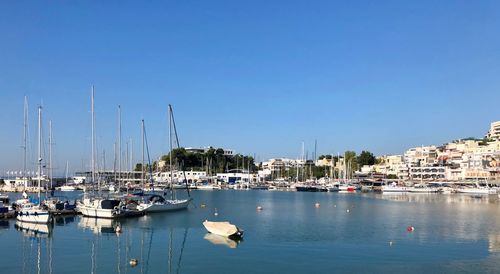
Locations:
67 188
394 187
224 229
423 189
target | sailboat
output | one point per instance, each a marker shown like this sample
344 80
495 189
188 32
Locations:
99 207
33 212
158 203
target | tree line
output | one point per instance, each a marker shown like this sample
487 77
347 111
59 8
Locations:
213 161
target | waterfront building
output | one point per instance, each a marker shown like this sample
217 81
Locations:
237 176
179 176
494 132
282 164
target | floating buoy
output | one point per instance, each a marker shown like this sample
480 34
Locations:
348 211
133 262
216 213
390 243
410 228
118 229
317 205
202 205
259 208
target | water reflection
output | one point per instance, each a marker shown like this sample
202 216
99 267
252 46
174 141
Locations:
433 197
98 225
34 230
4 224
220 240
64 220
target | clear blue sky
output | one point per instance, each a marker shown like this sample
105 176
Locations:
259 77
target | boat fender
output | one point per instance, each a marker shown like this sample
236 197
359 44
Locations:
36 213
410 228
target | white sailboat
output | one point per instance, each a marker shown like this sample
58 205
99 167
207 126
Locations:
31 212
99 207
157 203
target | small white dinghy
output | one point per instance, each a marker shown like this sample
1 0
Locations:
225 229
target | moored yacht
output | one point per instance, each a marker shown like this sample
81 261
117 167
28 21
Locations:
394 187
29 211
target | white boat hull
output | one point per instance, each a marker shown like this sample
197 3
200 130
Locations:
38 216
169 205
89 211
224 229
475 191
68 188
395 189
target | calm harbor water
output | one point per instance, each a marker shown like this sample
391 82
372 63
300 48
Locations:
348 233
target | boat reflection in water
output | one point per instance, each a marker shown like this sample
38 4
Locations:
98 225
34 229
62 220
4 224
221 240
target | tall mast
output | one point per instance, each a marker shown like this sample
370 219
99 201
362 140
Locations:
50 153
25 139
92 161
142 163
67 166
119 145
39 151
171 145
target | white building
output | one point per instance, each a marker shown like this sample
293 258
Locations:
282 164
190 176
494 132
233 177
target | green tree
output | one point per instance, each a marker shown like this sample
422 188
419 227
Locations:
366 158
350 159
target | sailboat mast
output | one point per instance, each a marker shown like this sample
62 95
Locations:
119 145
39 151
171 145
67 166
142 163
92 163
50 153
25 139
